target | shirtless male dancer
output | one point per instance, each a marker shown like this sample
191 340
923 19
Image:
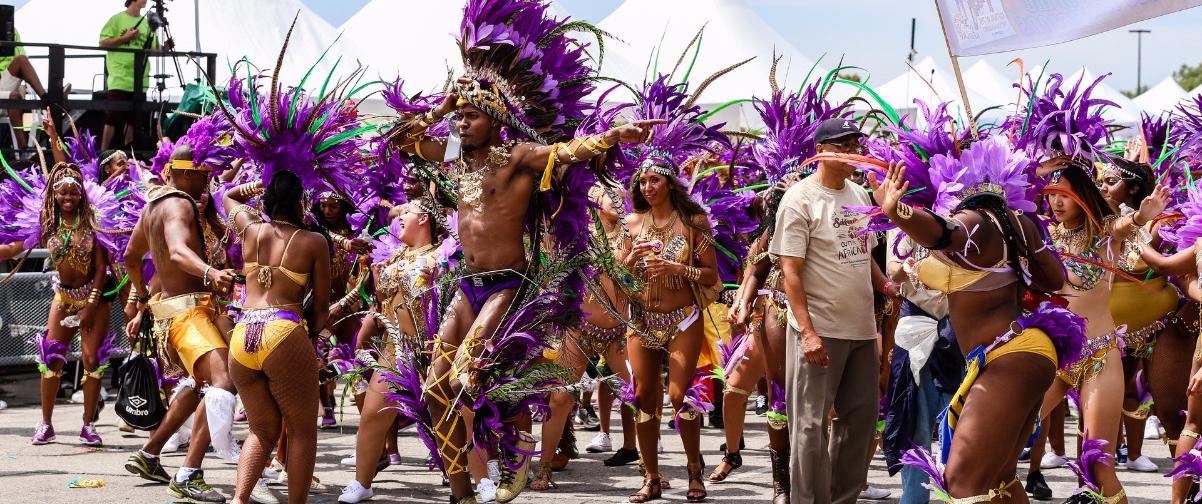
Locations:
183 311
496 181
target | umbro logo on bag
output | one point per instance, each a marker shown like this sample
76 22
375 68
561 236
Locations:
137 401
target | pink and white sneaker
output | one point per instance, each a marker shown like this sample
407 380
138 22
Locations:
88 436
43 434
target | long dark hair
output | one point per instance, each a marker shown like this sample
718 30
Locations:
283 193
1088 194
1137 175
680 200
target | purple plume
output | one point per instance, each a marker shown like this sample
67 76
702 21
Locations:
1092 455
1065 328
1060 122
921 459
1188 464
49 351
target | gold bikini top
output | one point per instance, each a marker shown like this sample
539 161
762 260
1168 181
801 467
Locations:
265 272
938 273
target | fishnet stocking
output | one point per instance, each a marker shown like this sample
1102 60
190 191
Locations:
287 390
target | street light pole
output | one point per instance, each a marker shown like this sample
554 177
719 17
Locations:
1139 58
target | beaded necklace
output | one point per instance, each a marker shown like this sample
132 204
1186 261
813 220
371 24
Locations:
1070 240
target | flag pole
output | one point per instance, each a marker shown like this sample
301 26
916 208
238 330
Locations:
972 123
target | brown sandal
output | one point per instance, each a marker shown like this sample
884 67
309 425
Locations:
542 479
653 489
695 494
732 460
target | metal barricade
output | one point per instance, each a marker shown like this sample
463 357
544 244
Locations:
24 310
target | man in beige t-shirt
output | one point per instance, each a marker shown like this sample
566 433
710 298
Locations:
831 357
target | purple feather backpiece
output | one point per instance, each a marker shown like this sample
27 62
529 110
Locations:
1065 328
1063 122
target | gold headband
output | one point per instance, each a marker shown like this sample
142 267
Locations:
184 164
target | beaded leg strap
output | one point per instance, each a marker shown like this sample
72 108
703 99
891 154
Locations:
1000 492
1139 414
687 414
736 390
95 374
1173 442
644 417
454 457
1116 498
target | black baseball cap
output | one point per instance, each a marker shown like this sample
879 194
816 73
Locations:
834 129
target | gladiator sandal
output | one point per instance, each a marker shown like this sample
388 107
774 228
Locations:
542 479
695 494
652 489
643 417
732 460
454 457
780 475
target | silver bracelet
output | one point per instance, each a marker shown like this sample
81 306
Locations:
205 275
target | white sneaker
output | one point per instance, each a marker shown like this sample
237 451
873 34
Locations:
874 493
77 397
1152 428
1142 464
3 405
1052 461
354 492
175 443
486 491
600 443
260 494
232 456
348 461
659 446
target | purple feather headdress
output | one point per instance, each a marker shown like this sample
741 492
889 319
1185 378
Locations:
987 166
81 150
315 137
21 197
1091 454
1187 130
1059 122
790 121
1187 230
682 137
523 68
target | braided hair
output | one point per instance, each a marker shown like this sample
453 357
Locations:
50 212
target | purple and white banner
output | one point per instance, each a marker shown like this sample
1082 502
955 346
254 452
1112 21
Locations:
976 27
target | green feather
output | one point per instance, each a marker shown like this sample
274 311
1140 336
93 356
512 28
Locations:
296 94
13 173
885 107
809 73
360 88
343 136
693 61
1031 99
719 108
120 285
254 107
828 79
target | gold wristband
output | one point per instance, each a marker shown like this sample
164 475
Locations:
904 211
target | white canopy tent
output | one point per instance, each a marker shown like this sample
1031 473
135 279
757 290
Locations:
1161 97
931 84
230 28
1195 92
985 80
371 36
733 32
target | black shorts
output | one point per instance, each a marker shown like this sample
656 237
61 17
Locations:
117 117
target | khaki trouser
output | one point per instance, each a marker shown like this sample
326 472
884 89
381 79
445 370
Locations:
831 468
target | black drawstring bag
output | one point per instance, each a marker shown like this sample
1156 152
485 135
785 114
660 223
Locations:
138 401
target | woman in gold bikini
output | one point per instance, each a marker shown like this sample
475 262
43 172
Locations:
669 249
1089 237
994 410
271 357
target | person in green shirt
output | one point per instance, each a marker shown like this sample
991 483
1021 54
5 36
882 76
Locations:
127 29
13 70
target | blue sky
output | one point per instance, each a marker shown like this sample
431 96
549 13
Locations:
875 34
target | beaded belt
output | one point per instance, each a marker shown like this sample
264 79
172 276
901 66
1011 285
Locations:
658 329
596 340
256 319
1093 358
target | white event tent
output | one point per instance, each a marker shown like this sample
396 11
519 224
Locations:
230 28
932 84
1162 97
422 52
733 33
